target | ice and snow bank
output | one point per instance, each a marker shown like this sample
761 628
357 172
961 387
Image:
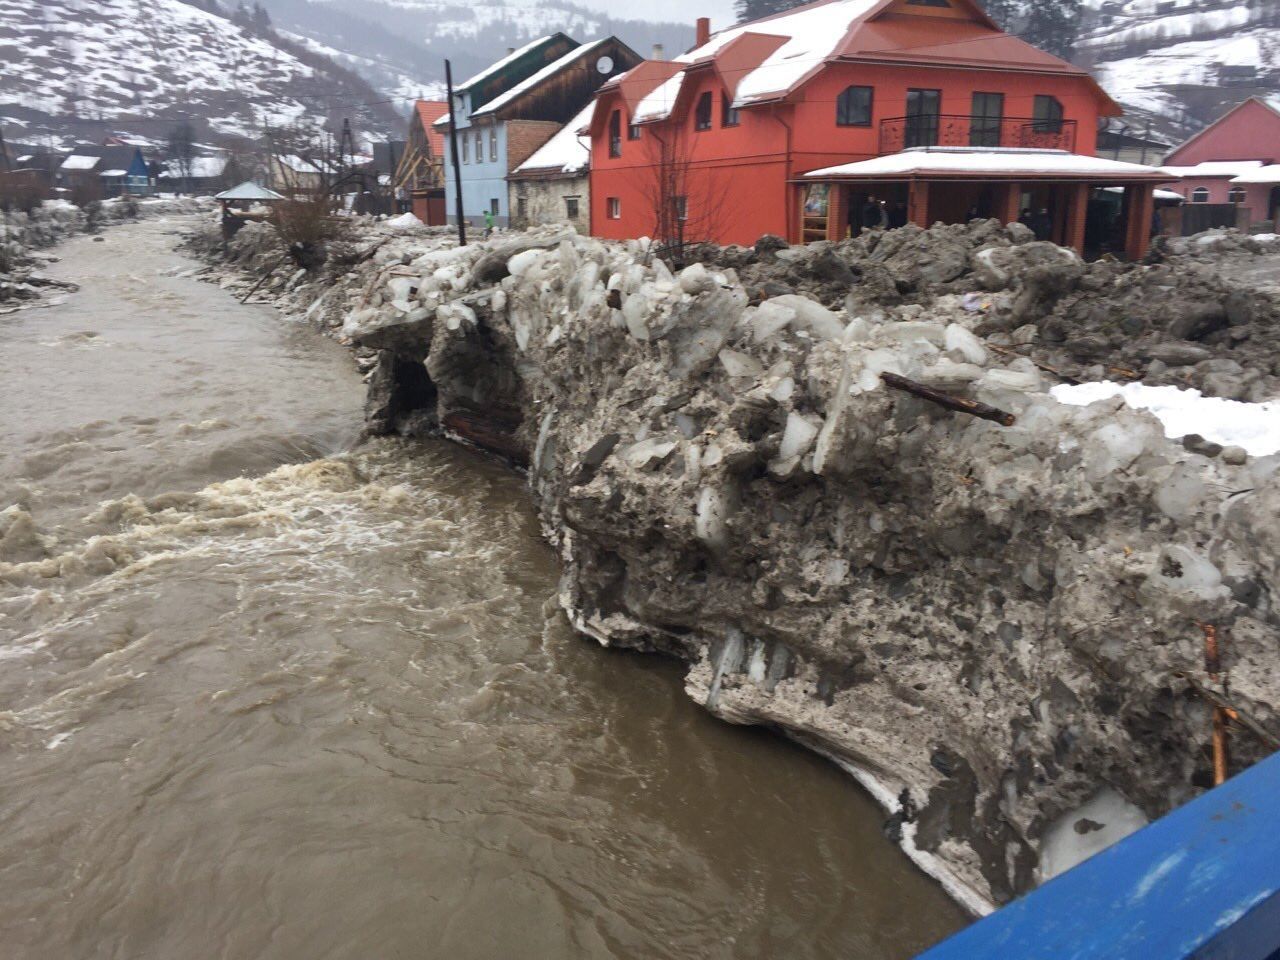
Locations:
1252 426
405 221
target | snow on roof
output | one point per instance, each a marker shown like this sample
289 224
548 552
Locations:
1157 193
550 70
1215 168
567 152
199 167
994 160
1254 426
113 173
811 34
248 191
79 162
493 68
1268 174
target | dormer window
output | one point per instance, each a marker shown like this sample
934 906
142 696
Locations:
729 116
702 113
615 133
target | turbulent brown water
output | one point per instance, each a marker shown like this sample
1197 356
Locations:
264 695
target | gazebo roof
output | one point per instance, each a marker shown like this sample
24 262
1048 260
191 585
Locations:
249 191
991 163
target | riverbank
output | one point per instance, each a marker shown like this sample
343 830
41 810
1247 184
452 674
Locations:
24 233
991 623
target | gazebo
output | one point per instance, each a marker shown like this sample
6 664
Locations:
244 195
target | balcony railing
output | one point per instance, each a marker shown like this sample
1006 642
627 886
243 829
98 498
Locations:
949 130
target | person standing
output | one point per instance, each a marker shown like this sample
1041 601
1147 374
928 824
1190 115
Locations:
488 224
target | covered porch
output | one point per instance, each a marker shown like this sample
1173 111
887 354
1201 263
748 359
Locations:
1055 193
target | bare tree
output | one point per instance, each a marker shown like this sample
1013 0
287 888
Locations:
688 205
182 151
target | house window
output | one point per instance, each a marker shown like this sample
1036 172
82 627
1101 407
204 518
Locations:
853 107
613 208
923 108
1047 113
702 112
493 206
1236 195
479 147
1200 195
571 207
522 209
633 131
985 119
493 143
729 116
681 204
465 147
615 133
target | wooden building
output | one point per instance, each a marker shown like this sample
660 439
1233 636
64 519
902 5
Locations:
726 142
508 111
419 174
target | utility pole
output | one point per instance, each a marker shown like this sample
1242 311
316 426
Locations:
453 155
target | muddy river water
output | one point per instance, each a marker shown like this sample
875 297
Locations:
267 693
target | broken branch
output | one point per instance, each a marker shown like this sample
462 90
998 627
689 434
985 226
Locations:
959 404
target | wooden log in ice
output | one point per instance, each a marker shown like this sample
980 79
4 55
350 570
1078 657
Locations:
959 404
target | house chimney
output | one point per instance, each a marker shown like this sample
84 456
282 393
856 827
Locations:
702 32
658 52
510 51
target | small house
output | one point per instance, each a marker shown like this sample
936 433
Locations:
1229 172
103 172
554 184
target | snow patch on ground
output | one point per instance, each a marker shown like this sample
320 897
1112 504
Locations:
1253 426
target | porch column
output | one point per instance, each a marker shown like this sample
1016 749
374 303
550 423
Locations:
1138 204
918 203
1009 203
1077 211
837 211
795 225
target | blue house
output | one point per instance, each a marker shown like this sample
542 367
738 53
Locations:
507 111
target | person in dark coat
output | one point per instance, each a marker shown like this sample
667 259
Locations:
1042 224
872 214
897 215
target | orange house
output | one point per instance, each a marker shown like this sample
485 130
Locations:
816 122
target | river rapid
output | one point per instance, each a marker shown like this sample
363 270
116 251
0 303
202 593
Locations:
266 692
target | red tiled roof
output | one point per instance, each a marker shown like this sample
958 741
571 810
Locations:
429 111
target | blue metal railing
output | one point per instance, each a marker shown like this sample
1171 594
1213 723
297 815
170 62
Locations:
1202 882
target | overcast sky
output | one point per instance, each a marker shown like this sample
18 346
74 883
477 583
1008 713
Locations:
680 11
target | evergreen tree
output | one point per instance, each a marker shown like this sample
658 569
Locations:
1053 26
1003 12
755 9
261 19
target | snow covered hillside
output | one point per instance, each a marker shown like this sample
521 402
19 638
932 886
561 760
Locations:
1178 64
414 37
143 65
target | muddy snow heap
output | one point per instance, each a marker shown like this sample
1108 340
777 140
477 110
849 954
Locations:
998 628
